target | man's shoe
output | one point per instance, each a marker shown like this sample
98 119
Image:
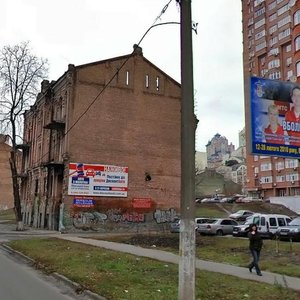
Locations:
250 269
259 274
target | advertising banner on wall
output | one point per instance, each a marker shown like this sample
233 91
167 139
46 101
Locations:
97 180
275 117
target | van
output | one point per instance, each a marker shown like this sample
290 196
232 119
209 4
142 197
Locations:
267 224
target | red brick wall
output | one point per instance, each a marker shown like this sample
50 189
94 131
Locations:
130 125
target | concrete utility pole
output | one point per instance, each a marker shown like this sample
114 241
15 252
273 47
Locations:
188 126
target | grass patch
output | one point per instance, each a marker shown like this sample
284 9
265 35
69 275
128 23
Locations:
278 257
117 275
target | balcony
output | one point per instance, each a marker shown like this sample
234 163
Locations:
56 165
56 125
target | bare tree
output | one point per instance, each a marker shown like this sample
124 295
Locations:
20 75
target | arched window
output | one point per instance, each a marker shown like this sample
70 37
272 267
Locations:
298 69
296 17
297 43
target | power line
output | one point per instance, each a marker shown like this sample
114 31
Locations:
113 77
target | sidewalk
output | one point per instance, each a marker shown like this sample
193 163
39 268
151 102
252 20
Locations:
268 277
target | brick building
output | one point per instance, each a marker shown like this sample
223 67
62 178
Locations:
134 123
271 36
6 192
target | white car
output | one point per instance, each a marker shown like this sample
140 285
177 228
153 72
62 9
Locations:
241 215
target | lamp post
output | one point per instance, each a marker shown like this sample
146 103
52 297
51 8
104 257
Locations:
186 289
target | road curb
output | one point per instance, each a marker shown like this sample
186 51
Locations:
72 284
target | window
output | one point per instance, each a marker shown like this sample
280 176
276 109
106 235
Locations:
262 221
147 81
288 61
274 51
260 23
292 177
255 158
258 2
273 29
260 35
273 222
284 21
279 1
127 78
261 46
298 68
275 75
281 222
297 17
284 33
272 5
266 167
274 63
297 43
157 83
273 41
266 179
256 170
259 12
291 163
273 17
288 48
280 178
289 74
279 165
283 9
250 22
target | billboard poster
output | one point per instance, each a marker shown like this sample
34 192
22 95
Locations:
275 117
97 180
83 202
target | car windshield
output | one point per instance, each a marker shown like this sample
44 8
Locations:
211 221
239 212
295 222
248 221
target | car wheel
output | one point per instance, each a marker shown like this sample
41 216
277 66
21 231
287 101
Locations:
219 232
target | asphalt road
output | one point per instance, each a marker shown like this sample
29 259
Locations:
19 281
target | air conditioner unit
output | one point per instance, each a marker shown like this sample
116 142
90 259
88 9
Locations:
274 184
293 182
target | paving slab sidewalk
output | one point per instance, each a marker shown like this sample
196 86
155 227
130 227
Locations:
268 277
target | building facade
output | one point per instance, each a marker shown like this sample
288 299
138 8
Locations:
216 149
120 114
271 44
6 190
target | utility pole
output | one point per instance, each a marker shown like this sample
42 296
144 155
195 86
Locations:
188 126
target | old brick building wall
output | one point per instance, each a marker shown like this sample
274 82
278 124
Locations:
135 123
6 192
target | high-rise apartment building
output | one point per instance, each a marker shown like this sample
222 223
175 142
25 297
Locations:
271 41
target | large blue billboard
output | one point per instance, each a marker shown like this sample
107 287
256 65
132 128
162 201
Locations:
275 117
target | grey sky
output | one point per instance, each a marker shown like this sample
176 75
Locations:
82 31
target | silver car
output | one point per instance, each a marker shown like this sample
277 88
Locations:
217 227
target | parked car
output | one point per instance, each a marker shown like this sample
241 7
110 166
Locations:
175 226
227 200
241 215
291 231
199 221
217 226
268 224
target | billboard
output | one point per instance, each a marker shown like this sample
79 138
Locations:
97 180
275 117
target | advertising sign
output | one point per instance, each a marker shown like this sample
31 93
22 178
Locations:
83 202
97 180
275 117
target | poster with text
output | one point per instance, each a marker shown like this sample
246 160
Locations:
97 180
275 117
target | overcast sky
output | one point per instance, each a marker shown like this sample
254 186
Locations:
83 31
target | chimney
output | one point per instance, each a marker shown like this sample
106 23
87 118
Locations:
137 49
44 86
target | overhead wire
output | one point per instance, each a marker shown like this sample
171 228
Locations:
113 77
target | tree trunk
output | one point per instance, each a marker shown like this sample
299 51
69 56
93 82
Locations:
16 191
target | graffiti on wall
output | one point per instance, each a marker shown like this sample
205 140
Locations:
87 219
164 216
116 215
